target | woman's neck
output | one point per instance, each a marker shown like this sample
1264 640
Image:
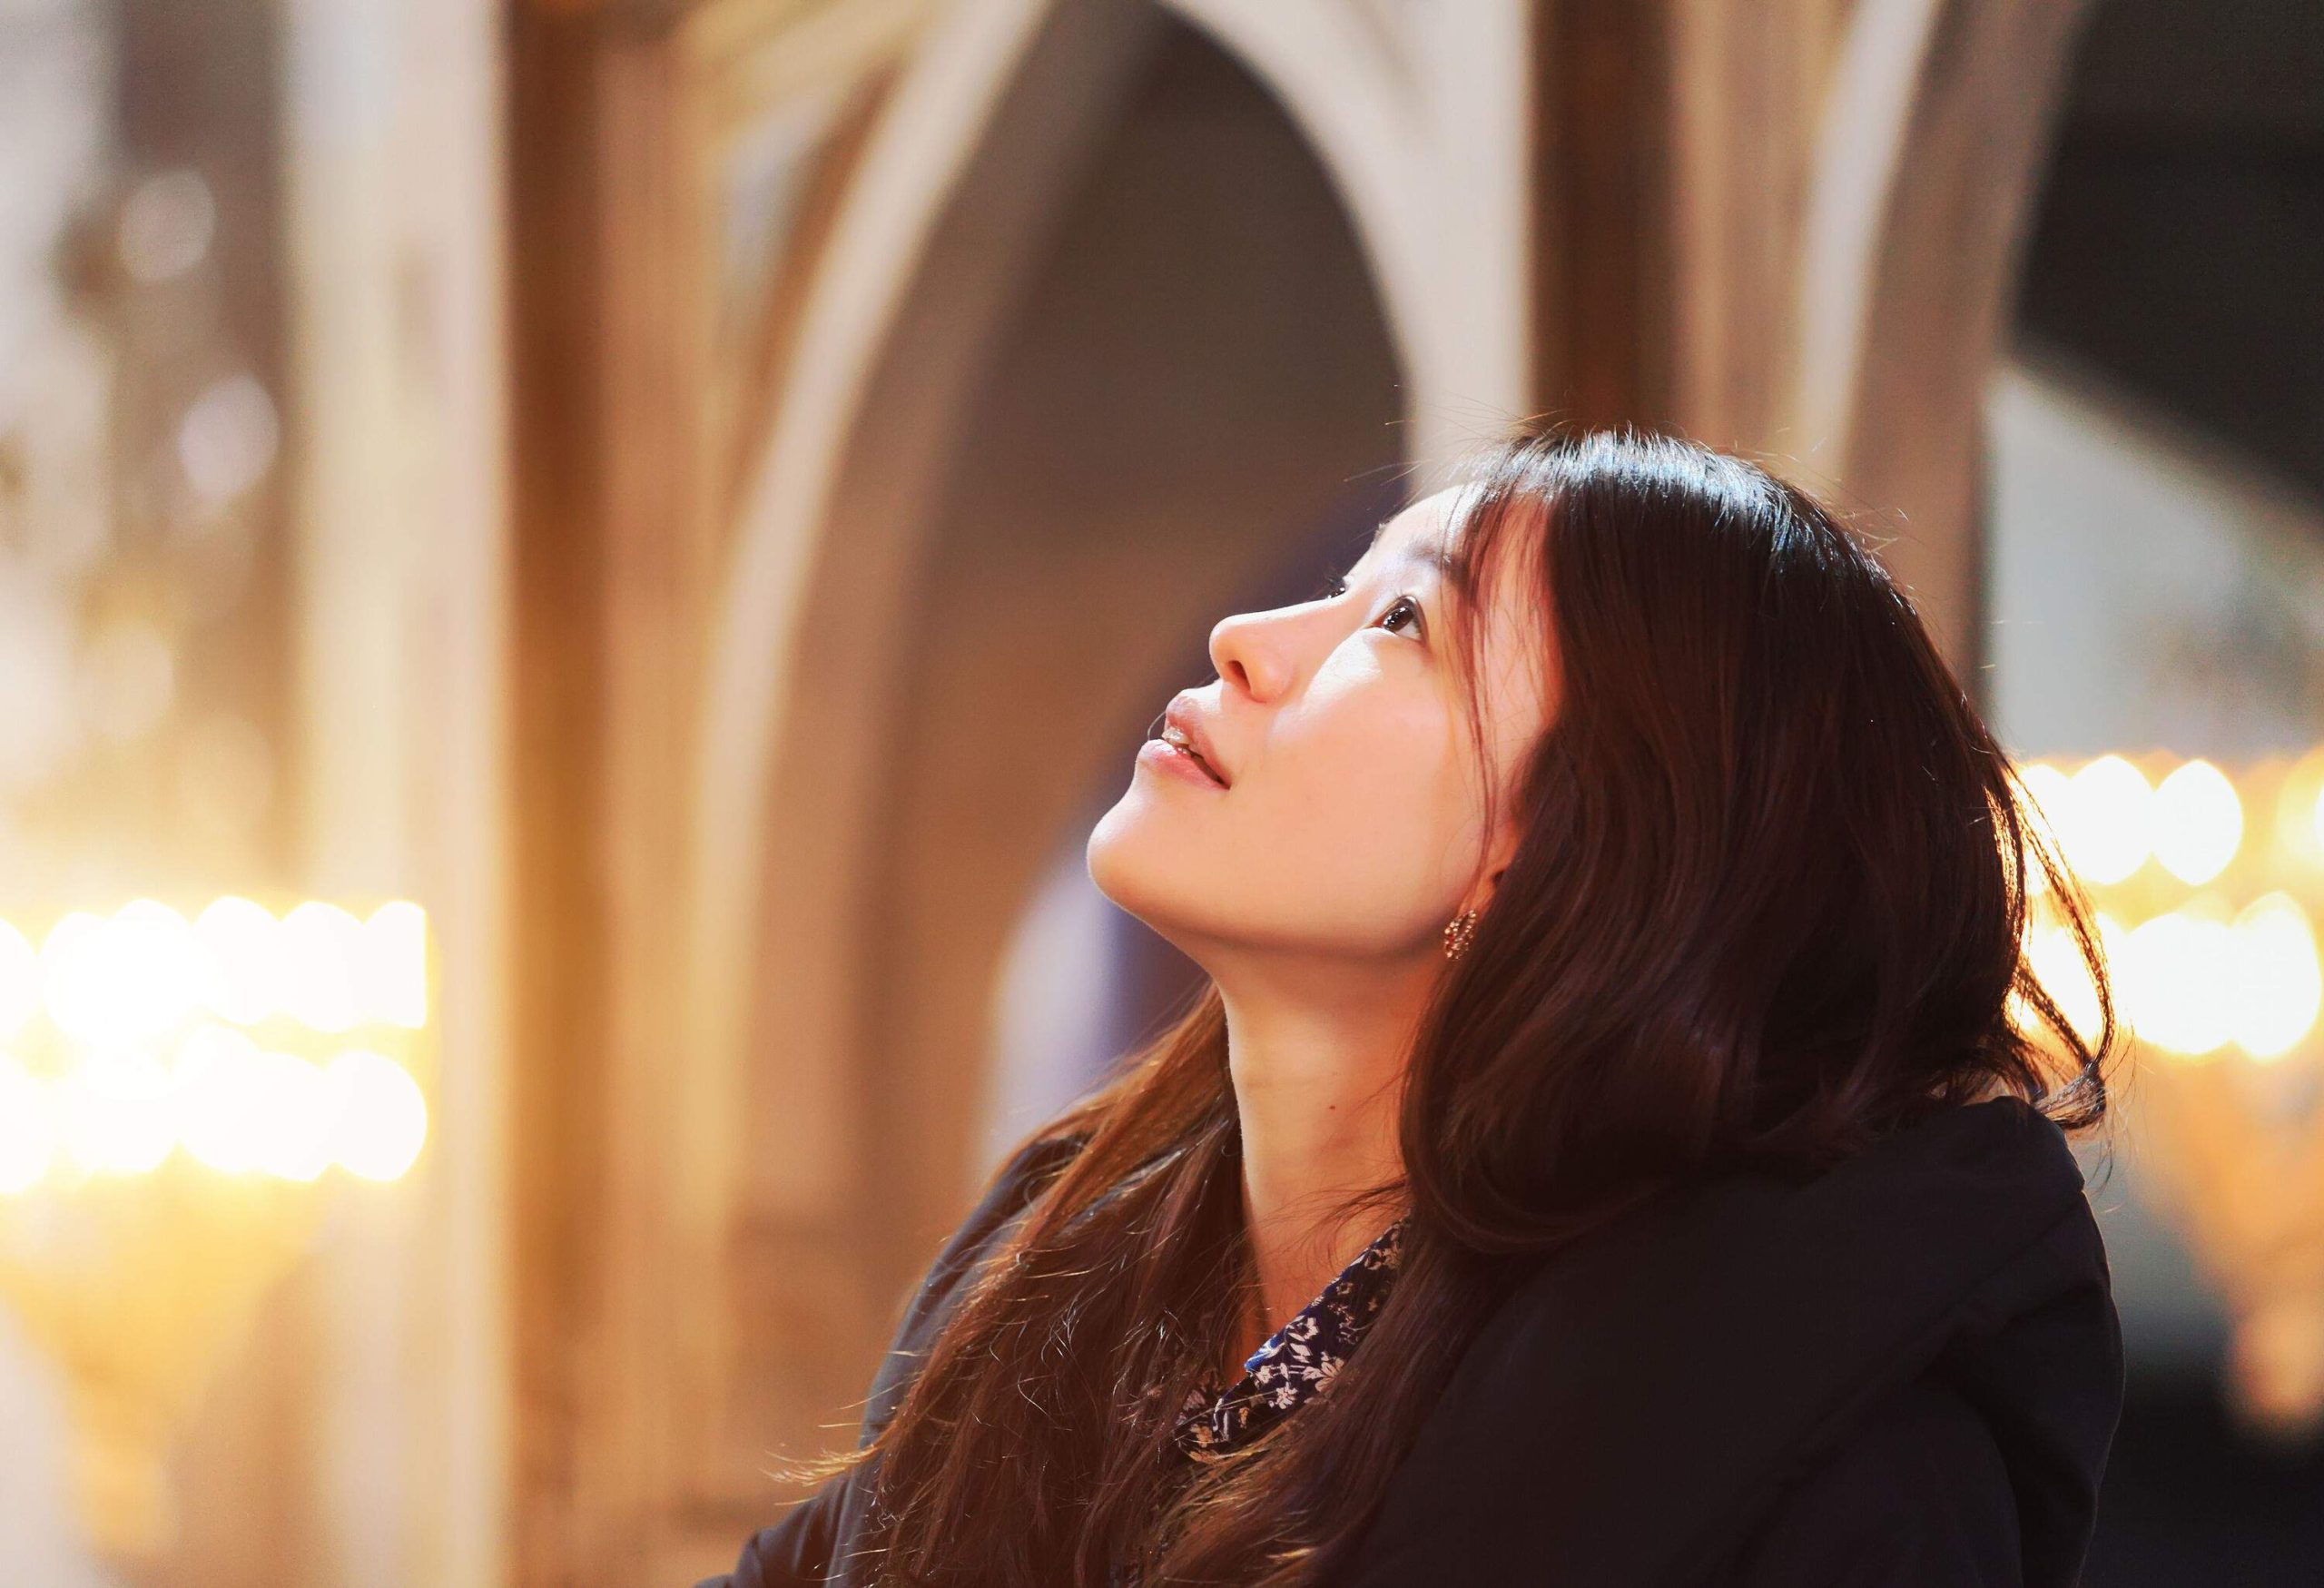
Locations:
1316 1081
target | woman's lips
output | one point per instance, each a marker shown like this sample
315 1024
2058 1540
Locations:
1168 759
1183 726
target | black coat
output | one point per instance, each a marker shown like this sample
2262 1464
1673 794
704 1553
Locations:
1904 1374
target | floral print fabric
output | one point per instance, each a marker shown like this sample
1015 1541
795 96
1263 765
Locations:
1291 1365
1299 1360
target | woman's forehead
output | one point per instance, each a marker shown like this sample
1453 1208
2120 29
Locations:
1429 532
1423 533
1428 519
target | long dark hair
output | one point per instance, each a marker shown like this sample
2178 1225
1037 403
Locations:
1768 903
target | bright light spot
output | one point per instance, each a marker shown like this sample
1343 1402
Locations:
2177 972
116 1114
2278 987
221 1081
152 962
111 983
19 980
2198 823
115 987
76 981
228 439
2298 807
243 950
385 1118
321 944
2106 824
392 970
298 1112
27 1129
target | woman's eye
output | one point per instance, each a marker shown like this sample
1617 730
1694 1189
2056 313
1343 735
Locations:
1404 609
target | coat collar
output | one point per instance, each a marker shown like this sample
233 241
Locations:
1635 1404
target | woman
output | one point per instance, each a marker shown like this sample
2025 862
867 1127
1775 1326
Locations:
1608 1150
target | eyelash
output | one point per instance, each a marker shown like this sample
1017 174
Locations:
1334 589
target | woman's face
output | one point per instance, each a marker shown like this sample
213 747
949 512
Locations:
1351 818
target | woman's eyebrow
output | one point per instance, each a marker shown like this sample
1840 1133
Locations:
1431 549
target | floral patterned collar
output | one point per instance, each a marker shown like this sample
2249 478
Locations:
1299 1360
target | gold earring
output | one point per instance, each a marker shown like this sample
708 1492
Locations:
1457 933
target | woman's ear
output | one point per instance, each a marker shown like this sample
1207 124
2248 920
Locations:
1503 850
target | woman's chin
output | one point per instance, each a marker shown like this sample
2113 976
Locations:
1121 865
1129 868
1133 840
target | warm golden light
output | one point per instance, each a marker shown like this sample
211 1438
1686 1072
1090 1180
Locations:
2191 977
2106 825
2057 963
172 1095
321 945
383 1118
167 1036
243 954
73 976
2178 975
2198 823
298 1117
391 971
114 1113
223 1080
154 967
2298 805
2278 986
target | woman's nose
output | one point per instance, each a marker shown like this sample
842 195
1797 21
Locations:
1248 651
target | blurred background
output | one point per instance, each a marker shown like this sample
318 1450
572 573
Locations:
574 575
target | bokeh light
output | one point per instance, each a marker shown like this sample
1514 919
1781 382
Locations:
2198 823
242 944
320 947
384 1118
2277 985
2107 822
169 1034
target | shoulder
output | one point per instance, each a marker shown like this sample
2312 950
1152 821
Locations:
802 1547
1014 1187
1917 1494
796 1550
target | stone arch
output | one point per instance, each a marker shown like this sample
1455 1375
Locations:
976 81
1130 360
1343 82
1932 143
